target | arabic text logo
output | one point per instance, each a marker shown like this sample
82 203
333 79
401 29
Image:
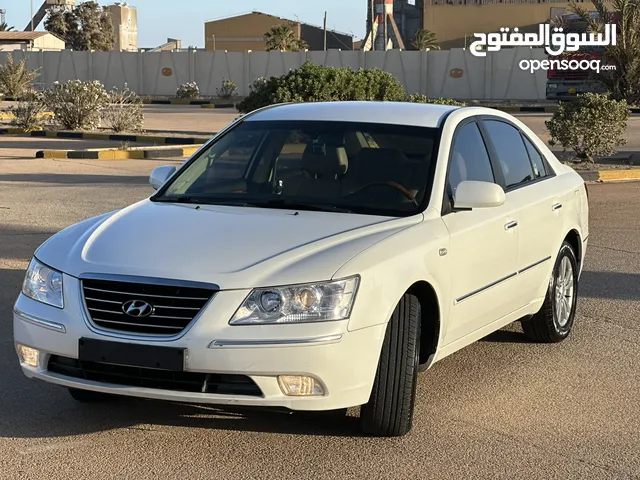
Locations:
554 40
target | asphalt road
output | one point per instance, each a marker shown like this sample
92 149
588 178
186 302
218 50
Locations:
501 408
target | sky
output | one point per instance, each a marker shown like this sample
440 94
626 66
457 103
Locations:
184 19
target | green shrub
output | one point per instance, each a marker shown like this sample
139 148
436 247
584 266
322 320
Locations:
188 91
315 83
592 125
29 113
417 98
262 92
124 111
227 90
15 78
76 104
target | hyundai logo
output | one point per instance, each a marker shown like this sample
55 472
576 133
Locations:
137 308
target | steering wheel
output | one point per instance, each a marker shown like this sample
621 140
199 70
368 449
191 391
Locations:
405 191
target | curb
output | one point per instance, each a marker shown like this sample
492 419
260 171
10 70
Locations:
11 116
107 136
107 154
604 176
177 101
218 105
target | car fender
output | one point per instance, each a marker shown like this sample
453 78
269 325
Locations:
390 267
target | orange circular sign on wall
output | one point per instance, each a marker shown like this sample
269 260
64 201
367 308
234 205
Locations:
167 72
456 72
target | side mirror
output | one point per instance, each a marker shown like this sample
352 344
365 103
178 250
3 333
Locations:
472 194
160 175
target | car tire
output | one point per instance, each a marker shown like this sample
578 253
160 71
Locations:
554 321
389 412
88 396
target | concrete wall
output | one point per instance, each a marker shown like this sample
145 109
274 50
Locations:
451 22
448 73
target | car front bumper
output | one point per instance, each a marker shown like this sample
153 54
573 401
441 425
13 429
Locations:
343 362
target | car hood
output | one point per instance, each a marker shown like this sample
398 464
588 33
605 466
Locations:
232 247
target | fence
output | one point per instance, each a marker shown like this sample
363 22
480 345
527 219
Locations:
452 73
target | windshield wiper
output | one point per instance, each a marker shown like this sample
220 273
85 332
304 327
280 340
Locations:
273 203
200 201
296 205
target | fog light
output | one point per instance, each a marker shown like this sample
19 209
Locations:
300 386
28 355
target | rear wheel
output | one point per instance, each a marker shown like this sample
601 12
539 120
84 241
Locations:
88 396
389 412
554 321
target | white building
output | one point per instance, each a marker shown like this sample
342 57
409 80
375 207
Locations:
30 41
124 18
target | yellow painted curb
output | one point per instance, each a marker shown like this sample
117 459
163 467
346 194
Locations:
190 151
55 154
609 175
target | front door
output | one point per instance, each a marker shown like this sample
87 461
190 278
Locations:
483 243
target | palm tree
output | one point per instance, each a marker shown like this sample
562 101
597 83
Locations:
4 27
426 40
284 39
624 81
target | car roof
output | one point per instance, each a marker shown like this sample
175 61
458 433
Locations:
389 113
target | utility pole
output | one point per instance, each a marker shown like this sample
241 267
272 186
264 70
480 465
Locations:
32 16
373 22
325 31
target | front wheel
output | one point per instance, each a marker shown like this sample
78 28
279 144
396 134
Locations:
389 412
555 319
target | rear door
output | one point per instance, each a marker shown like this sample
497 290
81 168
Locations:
529 185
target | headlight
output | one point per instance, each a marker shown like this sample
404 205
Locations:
43 284
317 302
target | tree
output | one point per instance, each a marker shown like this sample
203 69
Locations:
85 27
15 78
425 40
624 81
4 27
284 39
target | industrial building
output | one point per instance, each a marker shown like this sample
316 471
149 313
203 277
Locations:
243 33
125 26
395 23
455 21
30 41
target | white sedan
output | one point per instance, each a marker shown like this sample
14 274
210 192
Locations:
312 257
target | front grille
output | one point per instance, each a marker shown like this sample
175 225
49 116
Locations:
220 384
172 307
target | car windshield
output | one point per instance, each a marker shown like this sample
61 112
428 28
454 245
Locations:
347 167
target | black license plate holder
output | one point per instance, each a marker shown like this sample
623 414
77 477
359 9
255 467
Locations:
130 354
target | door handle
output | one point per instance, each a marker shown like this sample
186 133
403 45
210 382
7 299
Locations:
510 225
556 206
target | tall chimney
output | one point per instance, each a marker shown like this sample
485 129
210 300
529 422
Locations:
384 12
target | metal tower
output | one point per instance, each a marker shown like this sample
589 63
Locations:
383 33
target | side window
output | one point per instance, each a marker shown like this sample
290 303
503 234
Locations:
511 152
536 159
469 158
